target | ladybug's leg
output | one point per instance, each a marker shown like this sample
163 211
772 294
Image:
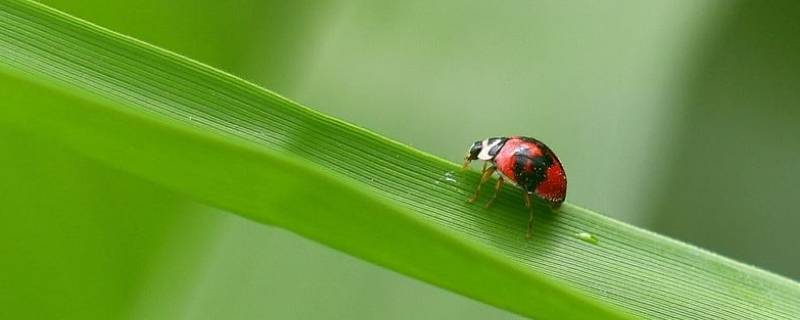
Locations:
485 175
497 187
527 197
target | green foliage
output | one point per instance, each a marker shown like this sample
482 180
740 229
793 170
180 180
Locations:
225 142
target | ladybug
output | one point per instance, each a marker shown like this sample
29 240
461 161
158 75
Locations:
525 162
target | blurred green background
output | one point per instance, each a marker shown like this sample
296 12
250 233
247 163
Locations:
678 116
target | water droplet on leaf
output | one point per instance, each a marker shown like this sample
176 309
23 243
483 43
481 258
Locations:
450 177
587 237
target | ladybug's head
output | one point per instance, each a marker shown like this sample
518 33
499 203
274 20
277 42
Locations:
484 150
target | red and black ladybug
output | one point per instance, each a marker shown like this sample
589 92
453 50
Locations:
527 163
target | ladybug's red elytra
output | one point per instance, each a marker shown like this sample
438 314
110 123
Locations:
525 162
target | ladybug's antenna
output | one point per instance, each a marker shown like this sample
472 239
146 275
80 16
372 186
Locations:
467 161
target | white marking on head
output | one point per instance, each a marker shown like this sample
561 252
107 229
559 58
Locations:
484 154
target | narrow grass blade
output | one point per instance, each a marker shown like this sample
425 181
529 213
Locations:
229 143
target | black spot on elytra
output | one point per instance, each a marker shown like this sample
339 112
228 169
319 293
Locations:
529 179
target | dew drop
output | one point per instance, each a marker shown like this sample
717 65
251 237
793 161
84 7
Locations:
587 237
450 177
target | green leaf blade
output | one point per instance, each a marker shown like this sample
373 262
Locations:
229 143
